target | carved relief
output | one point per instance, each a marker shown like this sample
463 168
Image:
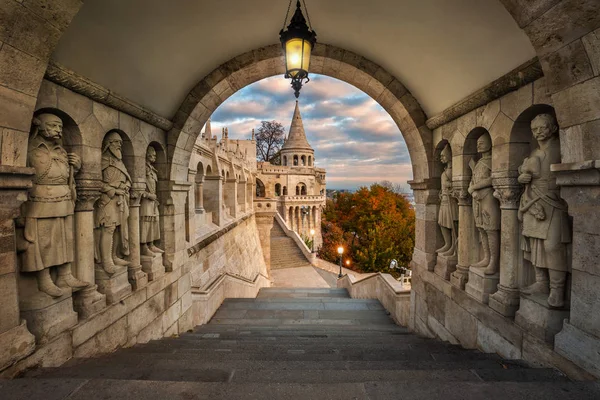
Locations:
448 214
149 215
486 211
47 234
543 212
112 209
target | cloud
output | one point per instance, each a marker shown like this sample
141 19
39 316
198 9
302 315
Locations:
354 138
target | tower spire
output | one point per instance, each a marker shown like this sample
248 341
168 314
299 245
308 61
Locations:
297 136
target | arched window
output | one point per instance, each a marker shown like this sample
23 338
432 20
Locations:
303 190
303 159
295 160
285 160
277 189
310 161
297 190
285 191
260 188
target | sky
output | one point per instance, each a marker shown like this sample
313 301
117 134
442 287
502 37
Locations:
354 138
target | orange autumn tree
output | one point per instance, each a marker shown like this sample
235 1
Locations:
375 225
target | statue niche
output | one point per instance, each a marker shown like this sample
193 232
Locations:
546 229
149 214
112 209
46 239
448 214
486 210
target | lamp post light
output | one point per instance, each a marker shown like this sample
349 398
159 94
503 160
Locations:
297 41
312 235
340 252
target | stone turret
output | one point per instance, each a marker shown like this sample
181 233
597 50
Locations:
296 150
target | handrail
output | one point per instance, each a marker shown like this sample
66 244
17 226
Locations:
209 287
294 235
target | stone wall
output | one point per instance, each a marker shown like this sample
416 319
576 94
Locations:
237 252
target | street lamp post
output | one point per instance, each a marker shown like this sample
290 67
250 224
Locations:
340 252
312 235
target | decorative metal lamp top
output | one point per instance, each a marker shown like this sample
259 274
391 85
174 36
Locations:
297 41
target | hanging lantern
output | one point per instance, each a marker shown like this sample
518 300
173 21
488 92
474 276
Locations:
297 41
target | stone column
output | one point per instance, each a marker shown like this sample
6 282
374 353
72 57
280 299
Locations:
230 197
16 341
506 299
213 187
137 277
199 196
467 239
173 195
86 301
241 197
265 217
426 227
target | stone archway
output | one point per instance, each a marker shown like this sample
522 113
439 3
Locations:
329 60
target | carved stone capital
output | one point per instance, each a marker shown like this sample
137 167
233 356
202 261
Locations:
88 191
508 196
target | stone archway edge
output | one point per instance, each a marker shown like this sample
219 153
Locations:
71 80
524 74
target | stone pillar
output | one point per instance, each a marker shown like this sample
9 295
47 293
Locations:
199 195
467 239
241 197
137 277
16 341
213 187
265 217
506 299
230 197
426 228
579 339
86 301
250 194
173 195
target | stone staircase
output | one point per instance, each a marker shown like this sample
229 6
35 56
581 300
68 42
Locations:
297 344
284 251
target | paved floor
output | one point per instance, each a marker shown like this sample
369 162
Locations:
297 344
303 277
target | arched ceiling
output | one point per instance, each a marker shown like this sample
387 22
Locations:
154 51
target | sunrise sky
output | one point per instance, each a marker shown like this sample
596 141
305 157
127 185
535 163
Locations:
354 138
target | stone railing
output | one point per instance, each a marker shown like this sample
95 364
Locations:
310 256
394 296
206 301
317 198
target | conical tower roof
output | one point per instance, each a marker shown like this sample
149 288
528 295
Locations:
296 139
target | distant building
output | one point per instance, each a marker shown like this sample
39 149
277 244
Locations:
297 183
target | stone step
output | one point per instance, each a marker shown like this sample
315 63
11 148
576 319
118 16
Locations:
369 315
287 322
288 305
95 389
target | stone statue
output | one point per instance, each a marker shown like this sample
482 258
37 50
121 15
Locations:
486 210
448 215
149 223
47 236
112 209
544 215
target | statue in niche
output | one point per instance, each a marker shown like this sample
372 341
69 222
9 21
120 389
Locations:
448 214
485 207
47 235
149 215
112 212
544 215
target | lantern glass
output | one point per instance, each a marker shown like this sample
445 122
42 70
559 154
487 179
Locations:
340 250
297 54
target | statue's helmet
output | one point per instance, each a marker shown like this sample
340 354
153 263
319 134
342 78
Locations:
151 151
110 138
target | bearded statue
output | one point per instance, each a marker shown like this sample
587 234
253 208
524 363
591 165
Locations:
448 214
149 215
46 238
112 209
546 227
486 210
